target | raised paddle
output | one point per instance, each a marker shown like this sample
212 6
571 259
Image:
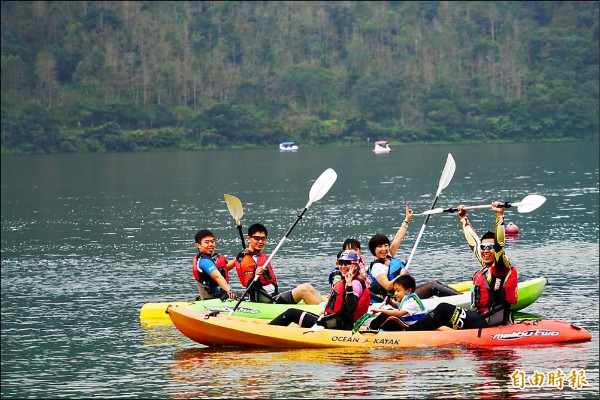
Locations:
445 179
528 204
317 191
234 205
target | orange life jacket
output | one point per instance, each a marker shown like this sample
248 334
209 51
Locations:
246 266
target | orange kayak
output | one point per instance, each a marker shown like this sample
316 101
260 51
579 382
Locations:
225 330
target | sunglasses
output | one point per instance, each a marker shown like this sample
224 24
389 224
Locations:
259 238
345 262
487 246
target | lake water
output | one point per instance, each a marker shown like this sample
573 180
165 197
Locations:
88 239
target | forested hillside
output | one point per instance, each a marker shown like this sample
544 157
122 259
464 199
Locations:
88 76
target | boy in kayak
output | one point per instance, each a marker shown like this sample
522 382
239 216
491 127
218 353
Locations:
210 269
494 285
251 261
407 308
348 300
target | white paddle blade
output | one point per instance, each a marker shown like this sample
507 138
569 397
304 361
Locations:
447 174
322 185
234 205
530 203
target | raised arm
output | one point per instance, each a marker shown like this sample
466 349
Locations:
399 237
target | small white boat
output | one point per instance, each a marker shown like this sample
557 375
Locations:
288 146
381 146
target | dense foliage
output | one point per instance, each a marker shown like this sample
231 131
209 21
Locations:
82 76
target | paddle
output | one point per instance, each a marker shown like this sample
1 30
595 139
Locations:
445 179
317 191
528 204
234 205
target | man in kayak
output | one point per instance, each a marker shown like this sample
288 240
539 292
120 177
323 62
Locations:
494 285
251 261
349 300
210 269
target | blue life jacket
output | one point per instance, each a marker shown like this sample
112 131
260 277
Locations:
393 271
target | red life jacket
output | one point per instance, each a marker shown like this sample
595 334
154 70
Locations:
221 264
246 266
337 298
482 294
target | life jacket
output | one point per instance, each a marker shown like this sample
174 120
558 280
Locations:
221 264
483 297
393 271
245 267
415 317
336 303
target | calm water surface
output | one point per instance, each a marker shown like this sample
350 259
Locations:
88 239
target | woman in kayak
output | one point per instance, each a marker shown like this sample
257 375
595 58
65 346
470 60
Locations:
494 285
348 300
349 244
385 268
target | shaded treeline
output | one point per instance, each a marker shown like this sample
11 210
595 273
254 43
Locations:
136 75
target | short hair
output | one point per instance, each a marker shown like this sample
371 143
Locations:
257 228
377 240
407 282
339 254
488 235
351 244
202 234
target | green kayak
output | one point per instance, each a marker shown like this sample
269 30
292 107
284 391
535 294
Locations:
155 313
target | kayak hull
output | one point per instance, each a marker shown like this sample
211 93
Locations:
223 330
529 291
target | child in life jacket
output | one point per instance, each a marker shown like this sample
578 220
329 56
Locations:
406 309
348 300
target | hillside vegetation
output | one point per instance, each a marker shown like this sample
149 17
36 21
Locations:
92 76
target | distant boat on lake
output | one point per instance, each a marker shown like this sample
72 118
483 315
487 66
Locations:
288 146
381 146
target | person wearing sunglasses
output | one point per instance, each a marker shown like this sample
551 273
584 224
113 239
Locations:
495 285
210 269
251 262
349 300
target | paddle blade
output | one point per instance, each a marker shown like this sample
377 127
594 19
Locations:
322 185
530 203
447 173
234 205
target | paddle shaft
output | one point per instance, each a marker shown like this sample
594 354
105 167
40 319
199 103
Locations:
239 227
505 205
445 179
